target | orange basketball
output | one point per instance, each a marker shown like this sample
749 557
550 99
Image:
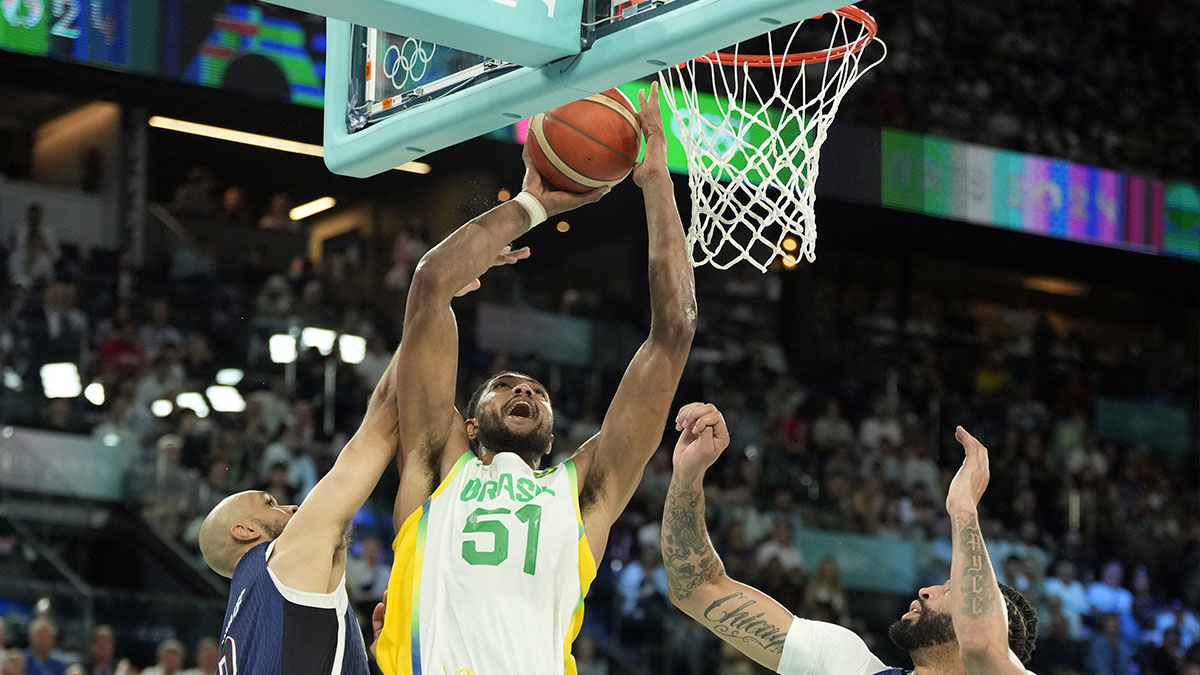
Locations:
587 144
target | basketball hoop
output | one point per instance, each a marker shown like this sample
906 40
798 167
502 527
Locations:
753 145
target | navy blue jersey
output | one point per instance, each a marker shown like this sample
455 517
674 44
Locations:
271 629
894 671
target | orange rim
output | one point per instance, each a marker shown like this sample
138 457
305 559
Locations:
803 58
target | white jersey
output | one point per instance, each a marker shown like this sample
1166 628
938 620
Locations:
819 648
490 574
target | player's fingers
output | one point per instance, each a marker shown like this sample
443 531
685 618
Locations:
521 253
642 99
707 436
681 419
706 420
696 411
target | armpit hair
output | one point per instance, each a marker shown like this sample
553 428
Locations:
593 487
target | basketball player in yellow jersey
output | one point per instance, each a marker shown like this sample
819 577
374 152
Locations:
494 554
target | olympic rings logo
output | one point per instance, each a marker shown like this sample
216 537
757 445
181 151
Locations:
413 58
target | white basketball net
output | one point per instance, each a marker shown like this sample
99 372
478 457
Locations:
752 158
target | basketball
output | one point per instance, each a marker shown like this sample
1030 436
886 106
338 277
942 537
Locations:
587 144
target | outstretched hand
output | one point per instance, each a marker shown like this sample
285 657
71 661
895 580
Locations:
654 163
972 478
554 201
507 256
703 438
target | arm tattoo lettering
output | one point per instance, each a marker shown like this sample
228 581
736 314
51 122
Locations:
732 617
688 555
978 582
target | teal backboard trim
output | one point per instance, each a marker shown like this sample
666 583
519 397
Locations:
675 33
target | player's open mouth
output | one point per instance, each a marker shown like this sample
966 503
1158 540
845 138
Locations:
520 408
914 610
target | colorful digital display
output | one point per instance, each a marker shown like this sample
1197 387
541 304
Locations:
85 31
241 32
1038 195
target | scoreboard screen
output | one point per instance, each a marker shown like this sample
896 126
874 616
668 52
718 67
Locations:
249 47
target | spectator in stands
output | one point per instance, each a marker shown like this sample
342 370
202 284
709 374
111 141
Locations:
782 549
101 658
121 356
163 379
825 599
159 332
12 663
1107 596
208 655
194 197
1111 653
233 209
1064 586
831 429
1167 658
882 426
1178 616
60 415
170 659
587 661
42 635
275 298
58 334
35 226
167 501
276 483
32 265
642 588
366 573
278 215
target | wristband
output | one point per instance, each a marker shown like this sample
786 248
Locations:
537 212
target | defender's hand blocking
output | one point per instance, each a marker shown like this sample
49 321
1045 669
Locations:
554 201
972 477
507 257
702 439
650 116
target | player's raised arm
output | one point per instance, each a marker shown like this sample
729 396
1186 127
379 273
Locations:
429 352
613 460
742 616
978 608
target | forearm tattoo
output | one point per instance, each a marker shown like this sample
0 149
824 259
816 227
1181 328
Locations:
731 617
978 585
688 555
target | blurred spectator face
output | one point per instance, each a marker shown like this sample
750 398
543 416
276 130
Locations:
782 532
12 663
42 634
160 313
207 655
833 409
1110 627
1171 639
1065 571
278 477
102 646
828 571
169 449
217 471
170 657
280 204
1141 581
371 548
1112 574
585 648
233 200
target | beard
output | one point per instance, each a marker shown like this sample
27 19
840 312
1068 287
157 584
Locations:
272 530
495 436
929 630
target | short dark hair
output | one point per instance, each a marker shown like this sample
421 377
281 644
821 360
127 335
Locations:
1022 623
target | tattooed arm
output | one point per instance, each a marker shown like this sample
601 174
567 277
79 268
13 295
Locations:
976 605
742 616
